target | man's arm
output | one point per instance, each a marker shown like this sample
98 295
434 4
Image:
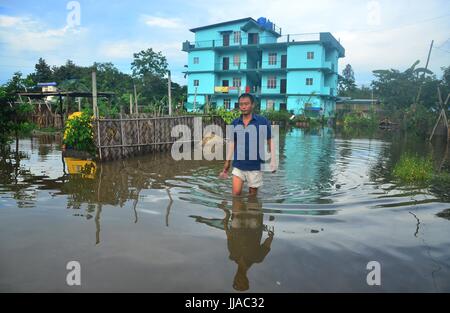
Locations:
229 157
271 147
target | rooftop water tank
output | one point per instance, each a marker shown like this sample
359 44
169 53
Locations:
261 21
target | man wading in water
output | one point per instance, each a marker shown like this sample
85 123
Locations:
247 149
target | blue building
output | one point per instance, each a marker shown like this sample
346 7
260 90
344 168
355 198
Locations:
298 73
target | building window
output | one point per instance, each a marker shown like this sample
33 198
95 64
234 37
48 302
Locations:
309 82
271 82
236 60
196 82
270 105
310 55
196 60
236 82
272 58
237 37
226 103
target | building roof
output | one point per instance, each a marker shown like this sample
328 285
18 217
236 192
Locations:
357 101
74 94
222 24
249 20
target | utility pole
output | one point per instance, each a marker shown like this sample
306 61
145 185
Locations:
135 99
94 94
79 104
429 54
131 104
195 98
423 75
169 91
372 98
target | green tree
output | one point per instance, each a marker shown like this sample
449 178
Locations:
147 62
42 72
69 71
14 116
398 90
149 69
346 82
109 78
445 81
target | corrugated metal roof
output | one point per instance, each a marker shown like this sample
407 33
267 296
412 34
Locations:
247 19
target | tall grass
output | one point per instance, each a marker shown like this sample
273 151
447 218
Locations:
414 169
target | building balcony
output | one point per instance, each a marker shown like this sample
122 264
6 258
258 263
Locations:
329 67
248 42
228 90
216 43
328 91
248 66
258 42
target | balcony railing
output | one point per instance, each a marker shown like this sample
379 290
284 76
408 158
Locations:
255 90
232 66
244 41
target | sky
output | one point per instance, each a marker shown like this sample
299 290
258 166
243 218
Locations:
376 34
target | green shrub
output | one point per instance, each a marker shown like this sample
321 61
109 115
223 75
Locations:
419 120
277 116
356 120
227 116
78 133
414 169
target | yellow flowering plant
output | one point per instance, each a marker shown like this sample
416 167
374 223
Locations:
78 133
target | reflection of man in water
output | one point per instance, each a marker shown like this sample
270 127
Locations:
244 238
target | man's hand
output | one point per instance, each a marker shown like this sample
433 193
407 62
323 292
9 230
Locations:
226 168
273 166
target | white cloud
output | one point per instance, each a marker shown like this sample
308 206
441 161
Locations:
368 46
397 48
403 35
9 21
124 49
27 34
162 22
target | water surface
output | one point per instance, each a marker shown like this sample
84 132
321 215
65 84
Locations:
154 224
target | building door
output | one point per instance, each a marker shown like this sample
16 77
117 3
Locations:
284 61
226 63
226 40
283 107
282 85
225 83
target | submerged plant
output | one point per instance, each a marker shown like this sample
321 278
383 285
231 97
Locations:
414 169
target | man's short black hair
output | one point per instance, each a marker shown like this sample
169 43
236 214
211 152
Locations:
247 95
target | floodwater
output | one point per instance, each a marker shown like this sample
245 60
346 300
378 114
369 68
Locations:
157 225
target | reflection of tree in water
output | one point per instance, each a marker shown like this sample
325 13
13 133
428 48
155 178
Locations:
16 179
444 214
96 185
244 229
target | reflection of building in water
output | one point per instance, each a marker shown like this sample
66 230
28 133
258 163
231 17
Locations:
244 228
309 158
